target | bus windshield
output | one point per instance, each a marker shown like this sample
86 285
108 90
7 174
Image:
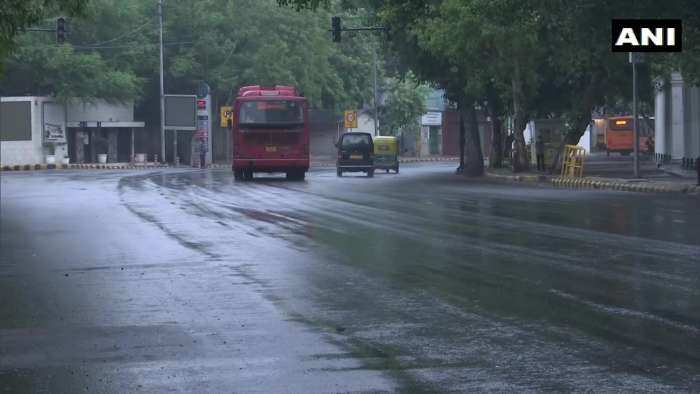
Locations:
271 113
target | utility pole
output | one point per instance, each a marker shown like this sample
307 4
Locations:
376 112
162 90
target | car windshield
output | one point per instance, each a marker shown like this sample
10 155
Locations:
355 140
271 113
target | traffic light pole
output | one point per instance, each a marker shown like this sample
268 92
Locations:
635 58
162 91
634 121
336 29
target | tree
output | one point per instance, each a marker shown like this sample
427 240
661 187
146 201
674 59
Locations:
225 43
405 102
584 73
16 15
409 23
62 72
547 58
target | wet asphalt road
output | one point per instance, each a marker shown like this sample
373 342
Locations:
183 280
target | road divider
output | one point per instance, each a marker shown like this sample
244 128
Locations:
644 186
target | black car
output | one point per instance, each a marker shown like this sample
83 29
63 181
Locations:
355 153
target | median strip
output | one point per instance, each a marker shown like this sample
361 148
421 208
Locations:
646 186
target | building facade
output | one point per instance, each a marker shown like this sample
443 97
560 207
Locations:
41 130
677 122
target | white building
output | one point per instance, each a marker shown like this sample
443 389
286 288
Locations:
34 128
24 125
365 122
677 122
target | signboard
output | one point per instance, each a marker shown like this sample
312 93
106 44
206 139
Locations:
431 119
16 121
180 112
647 35
202 142
54 123
203 125
226 115
350 119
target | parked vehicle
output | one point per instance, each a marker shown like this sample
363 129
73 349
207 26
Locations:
355 153
270 132
386 153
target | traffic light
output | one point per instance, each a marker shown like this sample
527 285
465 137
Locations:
335 28
60 30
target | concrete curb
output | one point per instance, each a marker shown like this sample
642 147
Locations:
30 167
122 166
621 185
518 178
601 184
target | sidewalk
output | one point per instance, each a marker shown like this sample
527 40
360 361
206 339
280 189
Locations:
649 184
677 171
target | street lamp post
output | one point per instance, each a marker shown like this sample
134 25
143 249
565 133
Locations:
162 90
376 112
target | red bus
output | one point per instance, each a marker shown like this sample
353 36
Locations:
270 132
619 135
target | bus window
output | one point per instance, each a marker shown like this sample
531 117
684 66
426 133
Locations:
271 113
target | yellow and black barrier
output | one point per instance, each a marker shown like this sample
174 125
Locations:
572 164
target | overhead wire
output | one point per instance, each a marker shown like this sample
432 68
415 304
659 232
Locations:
119 37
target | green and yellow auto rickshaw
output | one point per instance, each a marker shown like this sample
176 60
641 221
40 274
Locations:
386 153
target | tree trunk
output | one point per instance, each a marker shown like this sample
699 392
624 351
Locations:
474 157
493 109
496 155
521 161
572 137
462 133
581 119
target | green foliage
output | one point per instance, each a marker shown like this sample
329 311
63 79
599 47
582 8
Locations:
16 15
405 102
225 43
257 42
304 4
540 58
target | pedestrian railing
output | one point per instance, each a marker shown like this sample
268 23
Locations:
572 165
